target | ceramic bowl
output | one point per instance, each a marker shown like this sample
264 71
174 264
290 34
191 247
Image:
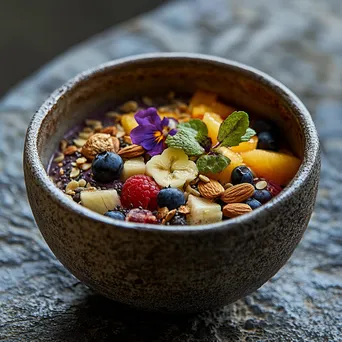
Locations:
167 268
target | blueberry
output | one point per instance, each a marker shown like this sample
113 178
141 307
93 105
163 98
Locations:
178 220
266 141
171 198
242 174
107 166
262 196
262 126
117 215
253 203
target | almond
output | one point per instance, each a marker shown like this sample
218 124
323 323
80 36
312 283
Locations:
97 143
112 130
238 193
211 189
116 144
131 151
236 209
70 150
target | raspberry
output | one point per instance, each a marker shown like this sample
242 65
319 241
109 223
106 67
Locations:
142 216
140 191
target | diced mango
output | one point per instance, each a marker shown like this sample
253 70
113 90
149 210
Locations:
225 175
128 122
199 111
222 109
275 166
246 146
213 122
202 97
168 115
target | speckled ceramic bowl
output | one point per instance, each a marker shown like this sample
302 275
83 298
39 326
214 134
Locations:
168 268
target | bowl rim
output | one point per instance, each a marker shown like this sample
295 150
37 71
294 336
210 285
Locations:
311 142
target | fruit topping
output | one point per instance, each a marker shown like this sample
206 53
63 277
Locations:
262 196
172 198
117 215
100 201
178 220
275 166
249 145
107 166
213 122
171 168
128 122
140 191
141 216
232 210
253 203
266 141
242 174
132 167
203 211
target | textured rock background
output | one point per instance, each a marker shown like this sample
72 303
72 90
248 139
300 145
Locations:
299 43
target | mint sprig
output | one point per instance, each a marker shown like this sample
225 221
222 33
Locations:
249 134
212 163
197 125
185 139
233 129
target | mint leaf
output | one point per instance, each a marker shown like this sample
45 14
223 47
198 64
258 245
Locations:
233 128
185 140
197 125
213 163
249 134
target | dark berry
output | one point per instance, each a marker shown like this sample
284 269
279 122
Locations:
141 216
117 215
106 167
178 220
266 141
262 126
117 185
262 196
171 198
242 174
253 203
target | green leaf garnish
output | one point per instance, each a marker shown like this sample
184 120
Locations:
249 134
213 163
185 139
197 125
233 128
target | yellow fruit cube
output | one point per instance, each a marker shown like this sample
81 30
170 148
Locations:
249 145
213 122
202 97
128 122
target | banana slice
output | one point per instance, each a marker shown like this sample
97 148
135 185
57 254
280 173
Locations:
171 168
203 211
101 200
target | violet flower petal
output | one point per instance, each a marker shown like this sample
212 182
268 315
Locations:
147 116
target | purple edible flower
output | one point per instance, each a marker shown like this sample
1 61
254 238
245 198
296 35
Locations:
152 131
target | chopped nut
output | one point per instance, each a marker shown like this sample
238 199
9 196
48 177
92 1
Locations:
81 160
127 139
170 215
114 115
148 101
186 195
204 179
70 192
112 130
97 143
88 130
61 171
238 193
236 209
183 107
85 135
162 212
70 150
82 183
93 123
60 164
261 185
120 134
184 209
193 191
98 129
165 109
227 185
129 106
85 166
63 144
73 164
116 144
74 172
59 158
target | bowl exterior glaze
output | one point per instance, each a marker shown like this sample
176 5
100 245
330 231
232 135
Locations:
171 269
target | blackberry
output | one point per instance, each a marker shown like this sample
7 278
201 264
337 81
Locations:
178 220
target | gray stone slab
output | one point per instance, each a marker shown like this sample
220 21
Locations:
297 42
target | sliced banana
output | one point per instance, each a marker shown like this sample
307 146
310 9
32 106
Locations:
132 167
203 211
171 168
101 200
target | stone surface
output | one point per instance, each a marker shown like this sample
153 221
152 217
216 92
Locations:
297 42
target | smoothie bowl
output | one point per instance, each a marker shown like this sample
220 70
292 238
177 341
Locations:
172 182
